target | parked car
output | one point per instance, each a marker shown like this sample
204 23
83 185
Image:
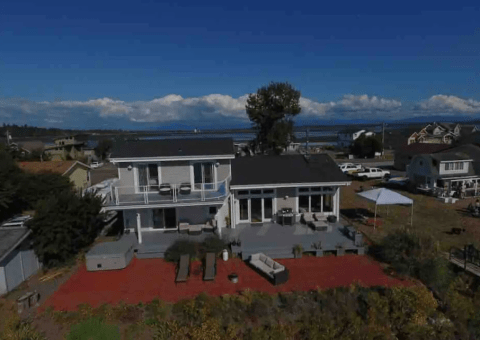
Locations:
16 222
397 182
350 167
95 165
371 173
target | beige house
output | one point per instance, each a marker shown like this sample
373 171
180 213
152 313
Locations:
64 148
77 172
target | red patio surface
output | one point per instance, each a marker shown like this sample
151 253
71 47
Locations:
146 279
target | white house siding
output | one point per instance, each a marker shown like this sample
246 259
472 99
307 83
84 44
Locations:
419 171
3 281
222 213
126 178
175 172
18 266
290 202
223 170
442 170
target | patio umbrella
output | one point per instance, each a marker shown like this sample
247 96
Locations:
384 196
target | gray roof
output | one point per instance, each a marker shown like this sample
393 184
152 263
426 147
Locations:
451 156
173 148
286 169
10 238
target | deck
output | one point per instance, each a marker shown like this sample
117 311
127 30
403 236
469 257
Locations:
274 240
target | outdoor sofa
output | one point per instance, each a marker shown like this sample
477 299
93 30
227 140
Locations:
276 272
316 221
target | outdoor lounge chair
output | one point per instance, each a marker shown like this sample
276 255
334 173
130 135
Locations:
183 268
210 267
308 218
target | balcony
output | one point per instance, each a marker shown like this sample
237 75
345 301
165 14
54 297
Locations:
168 194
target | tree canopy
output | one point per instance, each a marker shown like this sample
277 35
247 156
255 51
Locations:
104 146
271 111
366 146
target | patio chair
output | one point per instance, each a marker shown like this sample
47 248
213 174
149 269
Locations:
185 189
210 267
165 189
183 268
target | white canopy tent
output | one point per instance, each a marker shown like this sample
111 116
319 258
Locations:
384 196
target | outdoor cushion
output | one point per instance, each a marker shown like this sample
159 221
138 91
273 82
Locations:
269 262
262 258
277 265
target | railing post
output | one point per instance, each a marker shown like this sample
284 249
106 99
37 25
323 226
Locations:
146 194
117 199
465 256
174 193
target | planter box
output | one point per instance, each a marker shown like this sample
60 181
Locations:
340 251
236 249
319 253
361 251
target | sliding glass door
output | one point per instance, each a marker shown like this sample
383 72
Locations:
255 209
164 218
147 177
256 212
204 176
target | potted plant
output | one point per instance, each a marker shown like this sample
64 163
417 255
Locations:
297 251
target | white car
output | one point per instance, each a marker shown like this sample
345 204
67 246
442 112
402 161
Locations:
350 167
95 165
371 173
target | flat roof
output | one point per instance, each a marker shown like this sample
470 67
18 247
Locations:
172 148
285 169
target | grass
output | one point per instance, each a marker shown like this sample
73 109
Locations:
430 217
93 329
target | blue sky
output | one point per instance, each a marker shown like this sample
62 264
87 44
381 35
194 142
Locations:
150 64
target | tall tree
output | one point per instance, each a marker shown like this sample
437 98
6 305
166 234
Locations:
271 111
104 146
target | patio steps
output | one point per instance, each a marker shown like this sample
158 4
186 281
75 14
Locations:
154 252
274 253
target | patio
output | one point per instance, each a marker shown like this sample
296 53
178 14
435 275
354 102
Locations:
273 239
145 280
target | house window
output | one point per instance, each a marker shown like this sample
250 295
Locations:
453 166
304 189
268 191
212 210
327 203
304 202
204 176
148 177
243 209
255 192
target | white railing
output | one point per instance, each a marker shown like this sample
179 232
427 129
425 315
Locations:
169 193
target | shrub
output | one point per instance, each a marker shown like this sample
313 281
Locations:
179 248
213 245
93 329
15 329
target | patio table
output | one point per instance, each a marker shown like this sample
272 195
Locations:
319 225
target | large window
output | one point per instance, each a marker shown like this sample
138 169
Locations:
316 199
243 209
453 166
147 177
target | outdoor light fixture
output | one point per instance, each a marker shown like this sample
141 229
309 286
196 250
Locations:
130 168
217 164
286 197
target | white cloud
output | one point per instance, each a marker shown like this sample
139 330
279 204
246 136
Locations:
442 103
212 109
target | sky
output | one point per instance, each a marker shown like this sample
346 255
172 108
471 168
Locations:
152 64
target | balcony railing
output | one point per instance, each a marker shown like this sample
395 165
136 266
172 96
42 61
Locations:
168 193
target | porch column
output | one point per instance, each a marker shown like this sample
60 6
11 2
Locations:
139 228
337 203
232 211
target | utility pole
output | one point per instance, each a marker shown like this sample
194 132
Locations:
383 140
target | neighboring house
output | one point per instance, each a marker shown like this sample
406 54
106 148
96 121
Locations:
345 138
405 154
166 183
77 172
29 146
449 169
17 259
66 147
441 133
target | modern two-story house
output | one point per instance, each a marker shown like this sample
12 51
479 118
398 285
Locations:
163 183
347 137
166 188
